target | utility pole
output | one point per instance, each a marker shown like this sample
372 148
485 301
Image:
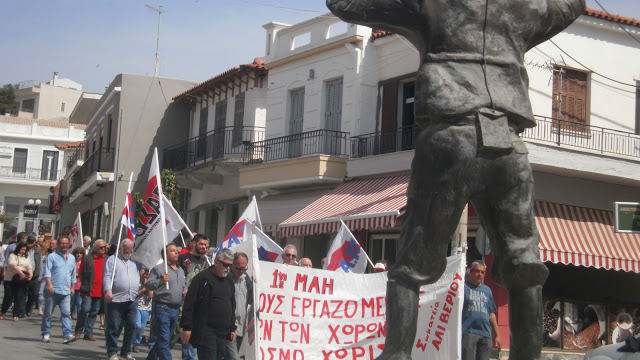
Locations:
159 11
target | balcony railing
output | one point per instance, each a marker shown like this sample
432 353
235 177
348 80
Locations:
29 173
579 135
100 160
224 143
317 142
559 132
72 159
377 143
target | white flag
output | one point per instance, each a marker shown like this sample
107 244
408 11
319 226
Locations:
175 223
235 236
75 235
150 234
266 248
346 254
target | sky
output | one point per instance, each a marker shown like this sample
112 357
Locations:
91 41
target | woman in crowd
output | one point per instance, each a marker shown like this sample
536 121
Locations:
19 272
76 300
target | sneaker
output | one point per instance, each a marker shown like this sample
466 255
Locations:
114 357
45 339
68 339
127 357
40 312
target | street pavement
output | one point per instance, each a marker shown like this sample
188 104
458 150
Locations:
22 340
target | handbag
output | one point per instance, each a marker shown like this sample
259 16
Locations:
16 277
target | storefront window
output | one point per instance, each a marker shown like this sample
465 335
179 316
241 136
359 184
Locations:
580 326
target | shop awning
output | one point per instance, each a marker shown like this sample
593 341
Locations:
584 236
361 204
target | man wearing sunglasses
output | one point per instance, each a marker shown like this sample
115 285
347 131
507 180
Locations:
208 315
91 270
244 297
289 255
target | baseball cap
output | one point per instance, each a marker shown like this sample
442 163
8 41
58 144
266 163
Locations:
379 266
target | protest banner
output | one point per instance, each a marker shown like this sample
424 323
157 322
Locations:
315 314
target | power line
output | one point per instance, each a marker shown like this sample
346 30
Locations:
595 72
275 6
617 23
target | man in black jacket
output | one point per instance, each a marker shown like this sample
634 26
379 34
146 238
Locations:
91 271
208 321
35 256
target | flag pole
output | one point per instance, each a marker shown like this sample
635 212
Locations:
182 237
163 220
126 205
353 237
80 227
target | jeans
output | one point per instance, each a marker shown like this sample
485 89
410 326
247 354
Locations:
231 350
50 302
476 347
213 348
188 352
141 323
87 314
118 314
164 322
40 299
76 303
14 291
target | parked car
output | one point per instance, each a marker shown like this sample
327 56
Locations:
610 352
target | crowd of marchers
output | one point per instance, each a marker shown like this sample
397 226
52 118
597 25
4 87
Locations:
186 297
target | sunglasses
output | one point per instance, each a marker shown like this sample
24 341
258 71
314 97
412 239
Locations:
291 255
101 247
227 265
241 268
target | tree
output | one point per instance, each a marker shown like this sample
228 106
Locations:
8 98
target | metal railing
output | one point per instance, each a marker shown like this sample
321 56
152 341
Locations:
579 135
75 157
381 143
556 131
100 160
29 173
317 142
224 143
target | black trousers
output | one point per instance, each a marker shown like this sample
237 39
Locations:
14 291
32 294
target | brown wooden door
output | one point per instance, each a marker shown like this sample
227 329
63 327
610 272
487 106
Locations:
570 98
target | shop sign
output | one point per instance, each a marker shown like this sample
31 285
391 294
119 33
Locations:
627 217
31 211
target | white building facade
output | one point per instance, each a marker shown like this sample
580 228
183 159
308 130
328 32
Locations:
30 165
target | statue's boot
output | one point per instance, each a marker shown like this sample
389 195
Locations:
402 317
525 323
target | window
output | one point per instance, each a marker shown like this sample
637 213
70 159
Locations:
397 116
62 107
28 105
238 119
333 116
233 213
569 102
219 132
109 130
49 169
383 247
20 160
296 116
201 145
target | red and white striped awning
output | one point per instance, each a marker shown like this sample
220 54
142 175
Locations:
361 204
584 236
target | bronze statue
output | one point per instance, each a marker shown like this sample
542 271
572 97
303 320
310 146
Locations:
471 104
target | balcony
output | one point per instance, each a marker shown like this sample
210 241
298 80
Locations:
96 170
554 131
75 160
377 143
18 173
325 142
226 143
313 157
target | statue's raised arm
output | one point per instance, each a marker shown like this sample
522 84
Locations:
398 16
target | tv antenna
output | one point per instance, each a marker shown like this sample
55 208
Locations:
159 11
